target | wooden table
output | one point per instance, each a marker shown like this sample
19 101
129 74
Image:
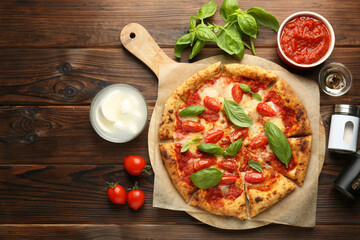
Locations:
56 55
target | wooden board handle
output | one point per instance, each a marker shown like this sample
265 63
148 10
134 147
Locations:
139 42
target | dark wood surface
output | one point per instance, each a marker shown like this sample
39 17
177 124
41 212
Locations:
56 55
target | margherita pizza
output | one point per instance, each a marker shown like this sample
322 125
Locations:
238 133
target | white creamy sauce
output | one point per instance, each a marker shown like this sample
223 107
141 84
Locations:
119 113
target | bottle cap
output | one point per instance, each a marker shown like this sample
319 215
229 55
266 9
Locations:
347 109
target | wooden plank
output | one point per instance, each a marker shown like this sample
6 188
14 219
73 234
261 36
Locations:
98 24
79 232
49 135
74 194
74 76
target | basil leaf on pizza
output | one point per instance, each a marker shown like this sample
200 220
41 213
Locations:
211 149
233 148
278 143
188 145
192 110
255 165
237 114
257 96
206 178
247 89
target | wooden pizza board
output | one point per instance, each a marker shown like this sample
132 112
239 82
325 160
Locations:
137 40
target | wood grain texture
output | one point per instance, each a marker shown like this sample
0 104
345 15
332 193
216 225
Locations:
74 76
89 232
98 23
74 194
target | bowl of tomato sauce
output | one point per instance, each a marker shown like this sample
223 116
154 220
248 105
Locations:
305 40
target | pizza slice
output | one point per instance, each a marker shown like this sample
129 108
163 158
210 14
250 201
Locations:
226 199
266 188
299 161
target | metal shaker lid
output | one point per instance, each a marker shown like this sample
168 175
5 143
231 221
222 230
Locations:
347 109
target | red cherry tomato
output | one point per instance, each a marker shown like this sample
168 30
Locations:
212 103
116 193
254 177
134 165
192 126
237 93
204 163
228 165
259 142
238 133
265 110
228 179
214 136
135 197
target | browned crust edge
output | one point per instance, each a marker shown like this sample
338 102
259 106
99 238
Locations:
168 155
252 72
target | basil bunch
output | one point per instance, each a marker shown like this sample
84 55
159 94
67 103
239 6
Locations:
239 23
278 143
216 150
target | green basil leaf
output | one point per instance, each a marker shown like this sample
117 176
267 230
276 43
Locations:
192 110
227 8
211 149
245 88
192 23
204 33
278 143
264 18
179 48
247 24
196 48
206 178
237 114
255 165
234 147
207 10
185 147
195 140
257 96
185 39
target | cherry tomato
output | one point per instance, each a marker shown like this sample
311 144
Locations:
259 142
237 93
228 179
265 110
254 177
228 165
204 163
135 197
116 193
134 165
192 126
238 133
214 136
212 103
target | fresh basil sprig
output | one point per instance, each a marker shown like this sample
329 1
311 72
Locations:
188 145
233 148
237 114
192 110
228 37
278 143
247 89
206 178
216 150
255 165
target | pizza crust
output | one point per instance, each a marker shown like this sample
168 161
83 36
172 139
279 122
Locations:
225 207
252 72
289 99
259 200
168 155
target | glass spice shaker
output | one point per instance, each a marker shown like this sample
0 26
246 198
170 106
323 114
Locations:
344 129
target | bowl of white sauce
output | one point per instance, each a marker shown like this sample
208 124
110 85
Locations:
119 113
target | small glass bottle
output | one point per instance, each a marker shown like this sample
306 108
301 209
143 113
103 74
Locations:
344 129
335 79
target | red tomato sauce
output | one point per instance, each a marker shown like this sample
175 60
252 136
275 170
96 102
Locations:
305 39
233 193
185 167
193 98
279 166
214 196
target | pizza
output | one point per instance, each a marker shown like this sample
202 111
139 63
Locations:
238 140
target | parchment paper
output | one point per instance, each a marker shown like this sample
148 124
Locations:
298 208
